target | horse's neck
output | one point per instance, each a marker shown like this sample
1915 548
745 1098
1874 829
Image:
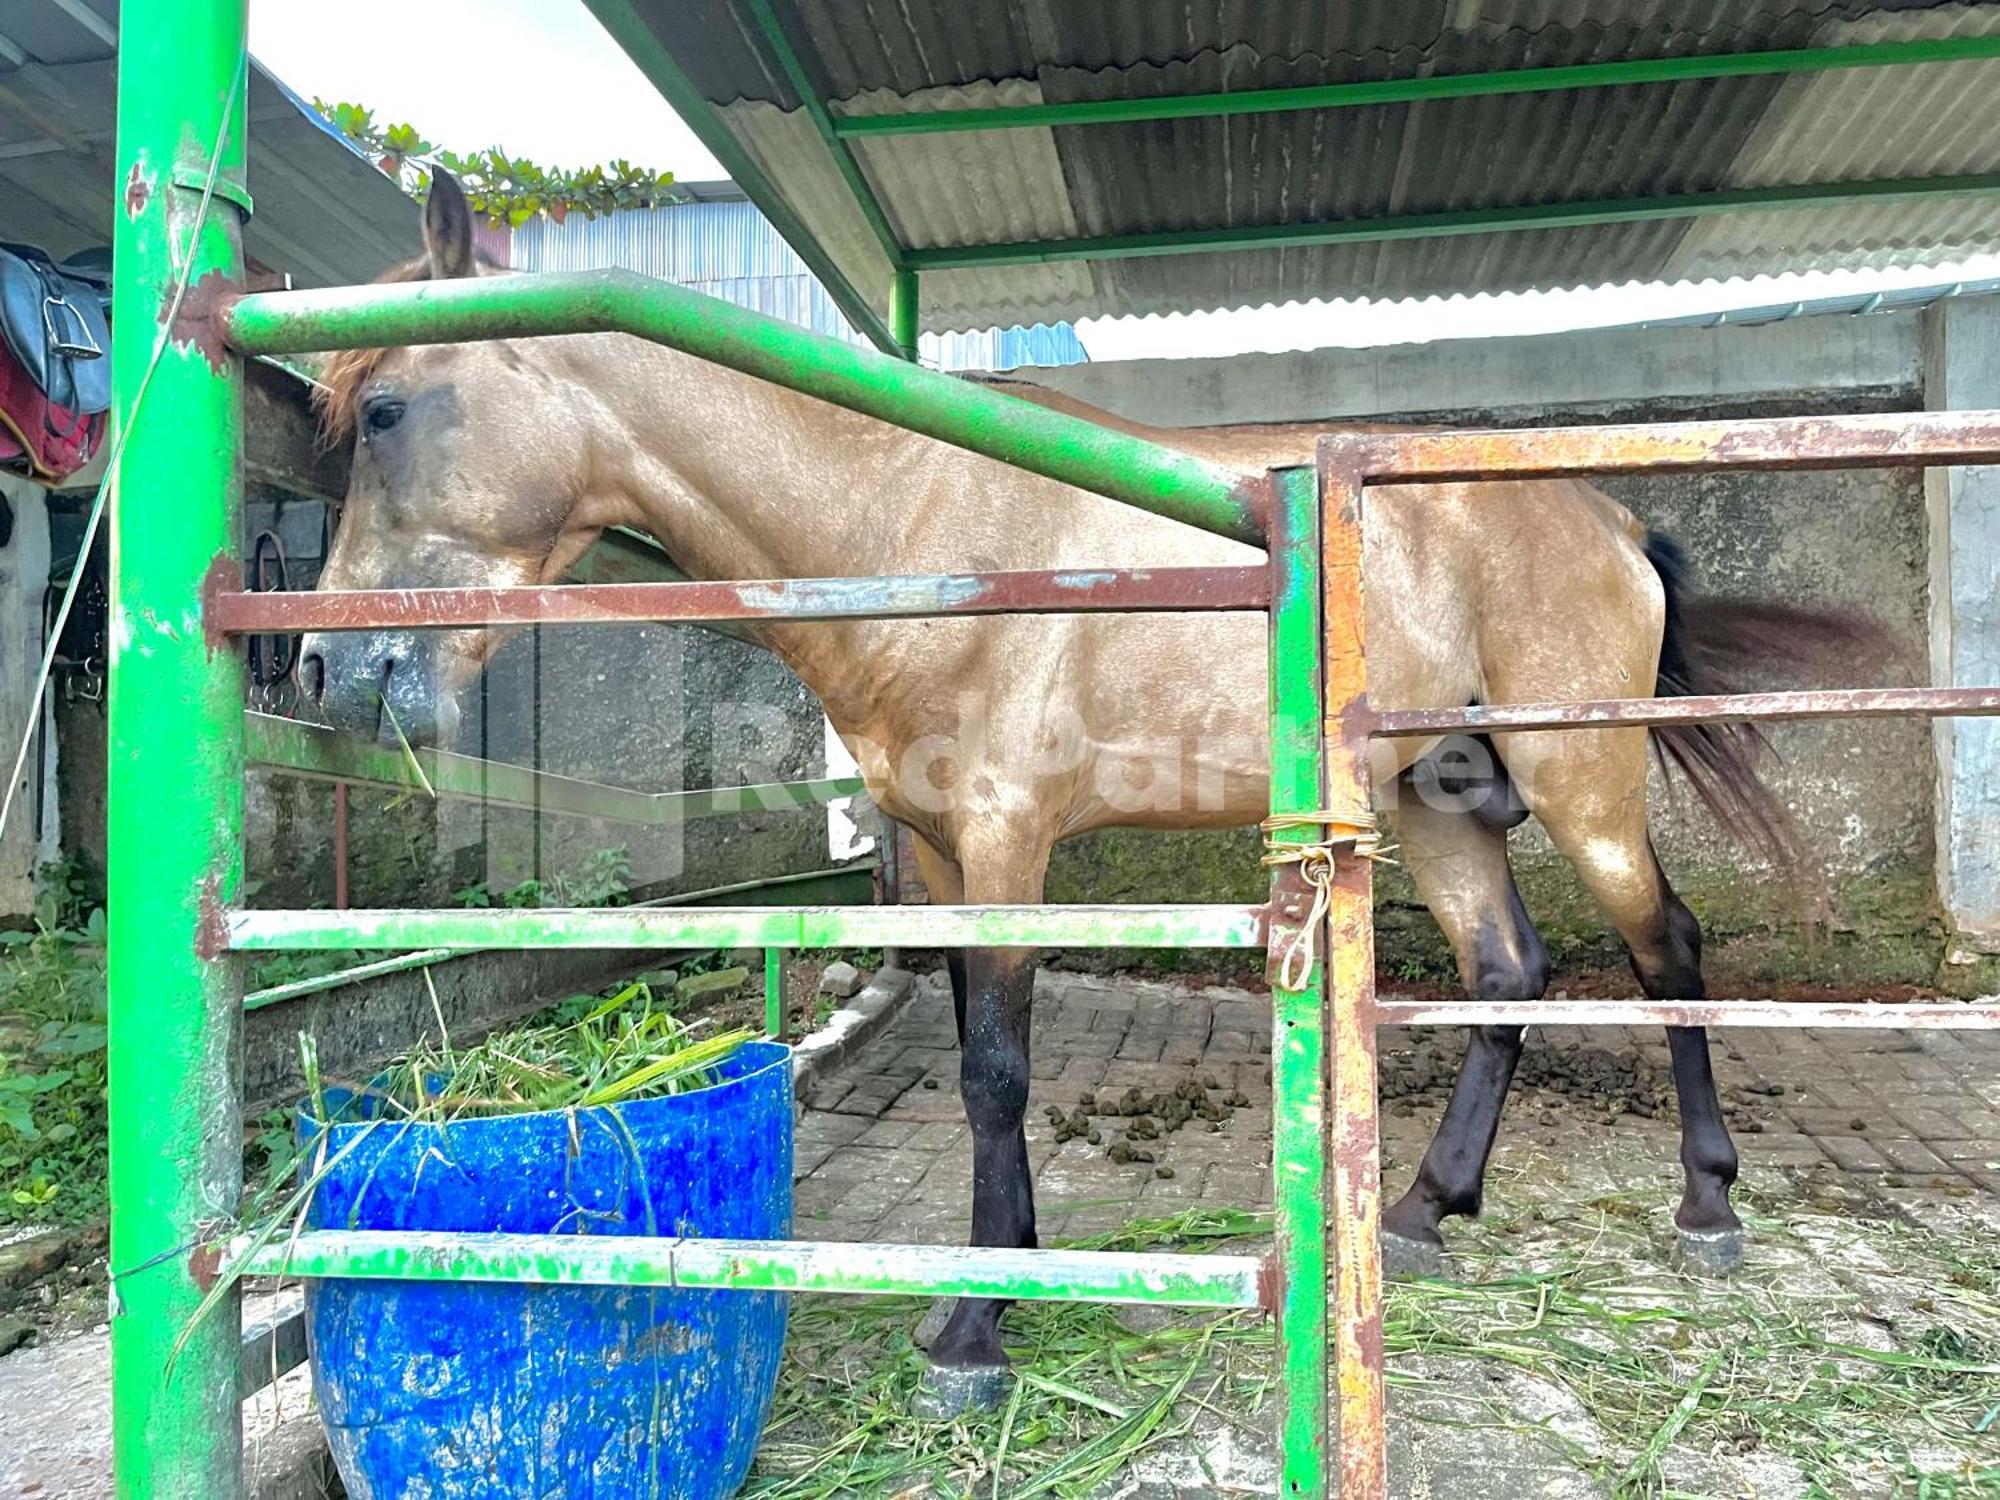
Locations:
737 478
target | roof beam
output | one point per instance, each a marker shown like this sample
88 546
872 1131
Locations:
815 107
1453 222
1413 90
629 30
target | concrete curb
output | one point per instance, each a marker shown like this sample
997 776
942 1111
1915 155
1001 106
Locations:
850 1028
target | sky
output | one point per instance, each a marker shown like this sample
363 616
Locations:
538 78
541 79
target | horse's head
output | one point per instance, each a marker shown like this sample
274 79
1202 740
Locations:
469 465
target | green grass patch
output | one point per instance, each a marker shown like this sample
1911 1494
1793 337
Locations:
1803 1375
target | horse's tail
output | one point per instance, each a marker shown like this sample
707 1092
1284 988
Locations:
1712 645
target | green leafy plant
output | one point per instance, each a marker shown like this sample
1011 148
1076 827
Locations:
508 190
52 1073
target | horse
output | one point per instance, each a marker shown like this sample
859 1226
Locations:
500 463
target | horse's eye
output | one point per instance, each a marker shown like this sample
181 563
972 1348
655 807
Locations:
380 414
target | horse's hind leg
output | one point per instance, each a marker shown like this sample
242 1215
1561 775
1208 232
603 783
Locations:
968 1370
1459 861
1589 790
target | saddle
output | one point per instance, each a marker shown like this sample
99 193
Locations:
55 370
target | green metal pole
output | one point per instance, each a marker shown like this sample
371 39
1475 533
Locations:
1298 1021
1018 432
1414 90
774 994
1453 222
176 748
903 316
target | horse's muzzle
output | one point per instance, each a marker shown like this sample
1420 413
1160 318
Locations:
379 685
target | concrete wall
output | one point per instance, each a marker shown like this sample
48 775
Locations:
1862 792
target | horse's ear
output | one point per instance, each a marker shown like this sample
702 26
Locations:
448 229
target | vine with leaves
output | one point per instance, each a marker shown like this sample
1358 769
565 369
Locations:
508 190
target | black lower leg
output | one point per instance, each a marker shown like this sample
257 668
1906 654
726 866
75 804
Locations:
993 1072
954 965
1451 1179
1708 1156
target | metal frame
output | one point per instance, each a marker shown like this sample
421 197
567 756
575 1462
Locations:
177 757
839 132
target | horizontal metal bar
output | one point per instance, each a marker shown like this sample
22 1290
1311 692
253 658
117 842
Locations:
1720 708
297 989
1165 926
423 958
1213 1281
1451 222
314 751
787 600
1036 438
1975 1015
1414 90
1871 440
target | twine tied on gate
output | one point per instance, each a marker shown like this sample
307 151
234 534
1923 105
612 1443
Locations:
1350 832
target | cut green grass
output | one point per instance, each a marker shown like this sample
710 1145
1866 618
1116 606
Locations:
1780 1373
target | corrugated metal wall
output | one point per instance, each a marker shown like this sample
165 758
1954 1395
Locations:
725 247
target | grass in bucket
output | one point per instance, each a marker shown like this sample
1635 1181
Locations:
1797 1380
585 1053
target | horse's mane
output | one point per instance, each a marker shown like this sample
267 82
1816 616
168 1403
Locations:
340 380
337 394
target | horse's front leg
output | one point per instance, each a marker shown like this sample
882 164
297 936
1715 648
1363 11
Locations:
968 1369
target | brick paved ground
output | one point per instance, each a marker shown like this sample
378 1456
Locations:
883 1151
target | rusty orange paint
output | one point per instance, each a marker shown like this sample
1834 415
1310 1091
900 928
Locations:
1826 442
1354 1207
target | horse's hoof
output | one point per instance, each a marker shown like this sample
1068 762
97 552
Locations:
933 1321
948 1391
1709 1252
1406 1259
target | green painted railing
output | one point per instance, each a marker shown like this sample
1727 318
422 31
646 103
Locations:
1031 437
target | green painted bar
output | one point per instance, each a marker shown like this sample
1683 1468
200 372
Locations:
774 994
622 19
278 994
1170 926
1451 222
281 744
1209 1281
1017 432
1298 1022
1416 90
904 318
175 750
855 880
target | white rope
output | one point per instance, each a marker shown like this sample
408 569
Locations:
1352 833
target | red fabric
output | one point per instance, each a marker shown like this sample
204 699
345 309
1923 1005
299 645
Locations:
37 438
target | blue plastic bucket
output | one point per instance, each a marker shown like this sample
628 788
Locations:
452 1390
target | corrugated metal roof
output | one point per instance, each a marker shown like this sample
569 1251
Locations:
324 213
1628 142
724 247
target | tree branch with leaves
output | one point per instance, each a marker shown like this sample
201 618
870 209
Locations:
508 190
